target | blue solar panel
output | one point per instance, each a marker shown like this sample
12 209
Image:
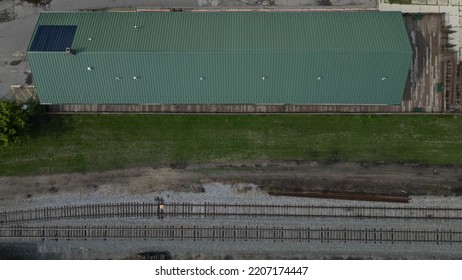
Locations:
53 38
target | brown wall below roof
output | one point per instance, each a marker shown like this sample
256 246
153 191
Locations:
230 109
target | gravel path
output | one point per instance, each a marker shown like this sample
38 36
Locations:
266 249
214 192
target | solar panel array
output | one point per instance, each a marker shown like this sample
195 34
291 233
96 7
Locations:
53 38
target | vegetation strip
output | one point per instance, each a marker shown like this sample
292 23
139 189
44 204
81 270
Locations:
81 143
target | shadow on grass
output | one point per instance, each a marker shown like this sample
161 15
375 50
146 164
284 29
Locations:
52 126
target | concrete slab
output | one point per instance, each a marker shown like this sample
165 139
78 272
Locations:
450 10
409 8
443 2
14 36
419 2
432 2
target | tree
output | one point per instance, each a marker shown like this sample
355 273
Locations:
16 120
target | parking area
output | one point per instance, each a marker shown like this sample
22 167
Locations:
18 18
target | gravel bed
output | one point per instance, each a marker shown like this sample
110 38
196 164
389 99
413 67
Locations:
213 193
262 249
334 223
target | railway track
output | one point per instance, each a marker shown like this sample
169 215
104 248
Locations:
160 209
231 233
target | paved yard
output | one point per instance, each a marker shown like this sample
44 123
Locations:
18 18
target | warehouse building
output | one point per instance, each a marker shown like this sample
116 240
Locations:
266 58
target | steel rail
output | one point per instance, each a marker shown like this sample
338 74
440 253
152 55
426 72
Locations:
160 209
231 233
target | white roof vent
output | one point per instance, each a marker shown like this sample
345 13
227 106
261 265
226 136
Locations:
89 68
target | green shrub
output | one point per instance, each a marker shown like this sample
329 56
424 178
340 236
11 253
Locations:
16 120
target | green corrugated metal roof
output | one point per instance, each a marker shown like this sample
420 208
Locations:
305 58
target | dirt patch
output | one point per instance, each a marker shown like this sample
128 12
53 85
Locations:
269 176
15 62
6 15
41 3
28 80
127 181
324 3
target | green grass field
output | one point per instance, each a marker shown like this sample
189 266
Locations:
78 143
